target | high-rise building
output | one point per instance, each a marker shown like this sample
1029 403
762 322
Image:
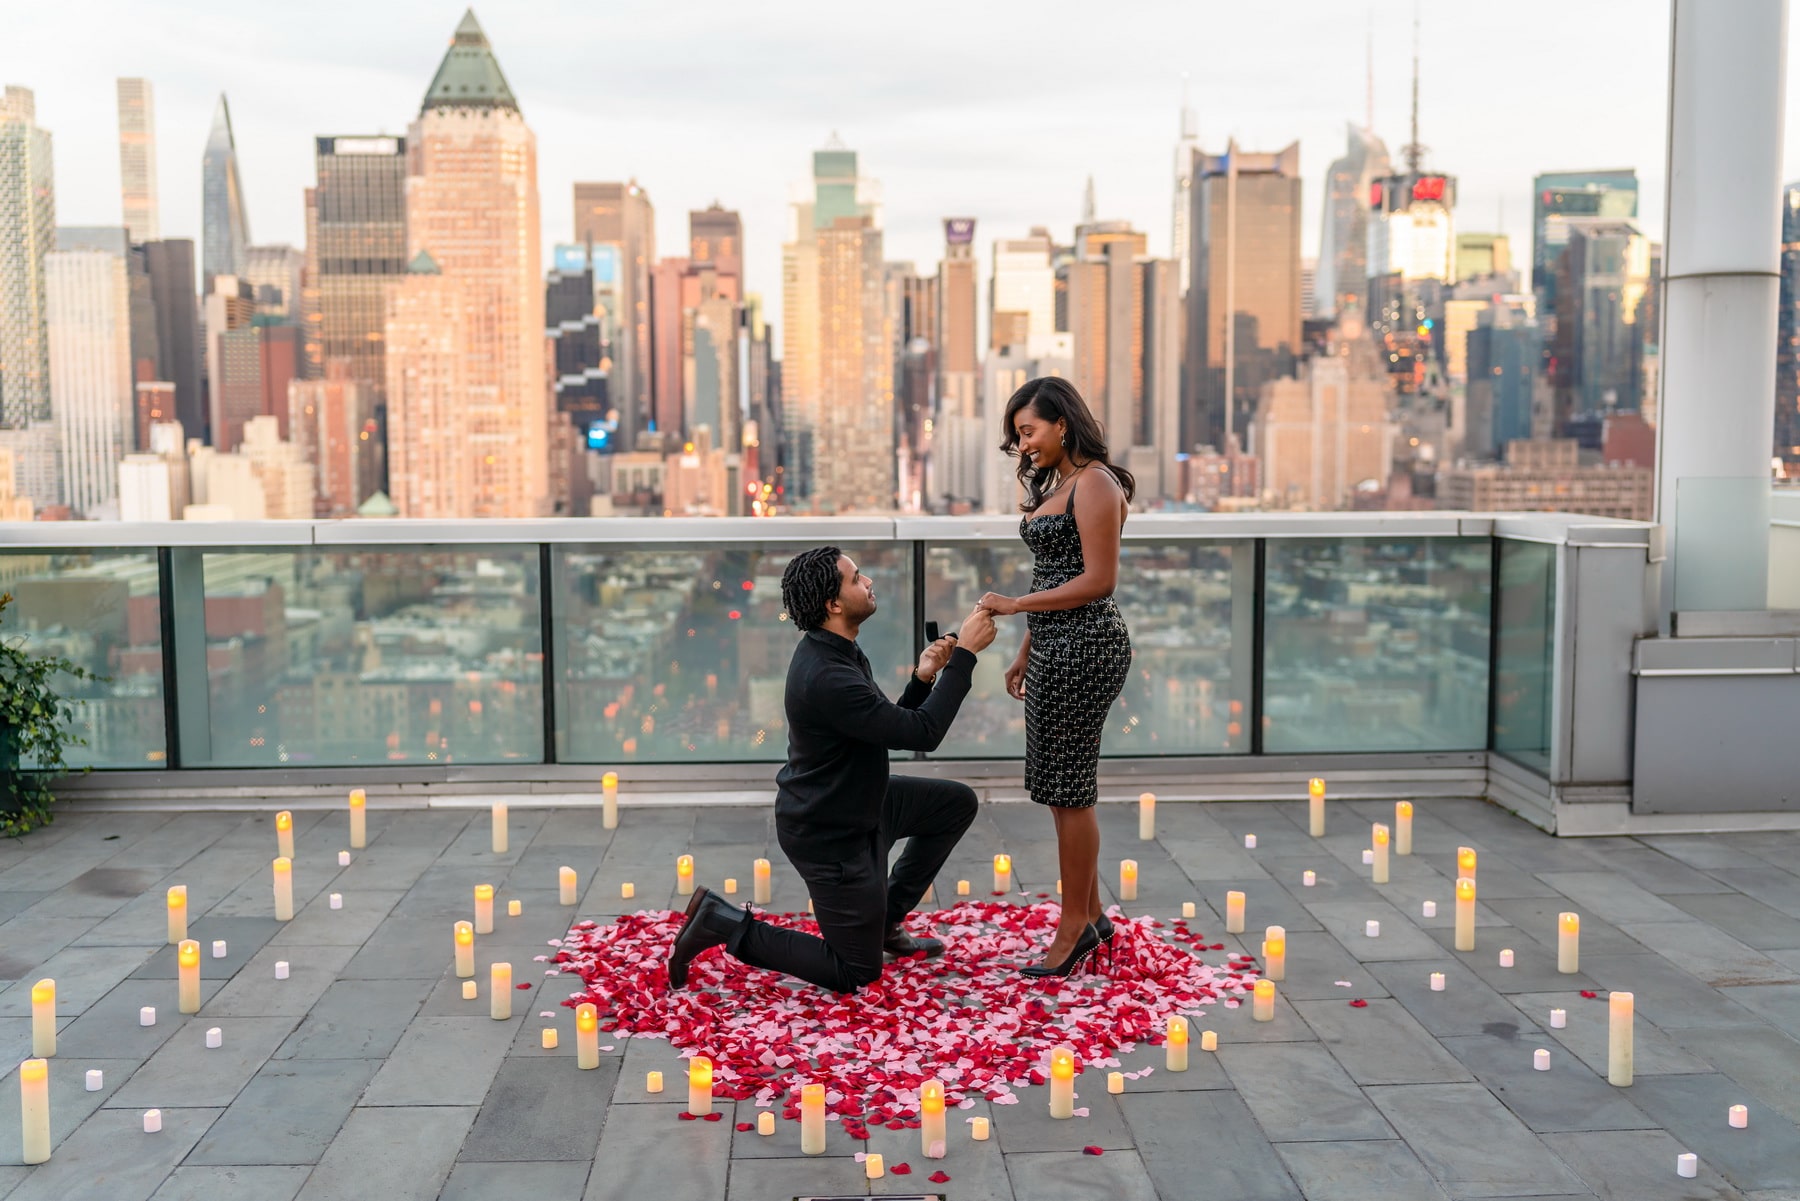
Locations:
666 308
1787 342
91 393
234 387
27 234
1243 313
1326 435
1342 280
1182 226
716 241
137 159
572 321
618 224
958 352
14 506
1022 290
1603 280
274 274
169 266
1505 365
1479 255
225 226
1412 228
1547 475
472 215
332 426
1558 195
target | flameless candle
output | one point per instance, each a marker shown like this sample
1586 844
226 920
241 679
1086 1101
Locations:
684 875
96 1080
464 939
343 858
499 828
627 890
484 909
962 888
187 958
1209 1040
1559 1018
1275 953
1738 1117
1568 943
1308 879
359 824
549 1038
1115 1082
1540 1059
1687 1165
1002 873
1402 827
470 992
1315 789
932 1135
1437 982
1175 1044
1234 912
1263 1002
1187 909
1128 879
43 1018
1368 856
152 1121
1062 1082
1146 816
700 1086
147 1016
1506 957
1059 886
1465 863
565 885
336 900
215 1038
609 800
1380 837
281 969
284 890
1465 914
500 991
1371 929
1428 909
731 886
1619 1007
653 1082
515 907
1249 842
284 834
873 1167
587 1036
34 1109
218 948
177 913
760 891
765 1123
980 1130
812 1119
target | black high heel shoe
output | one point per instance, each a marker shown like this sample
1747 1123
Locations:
1084 949
1104 928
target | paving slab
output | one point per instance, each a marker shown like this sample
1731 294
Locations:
240 1183
400 1153
1534 965
1299 1093
510 1181
694 1158
1384 1170
109 1029
1232 1156
785 1142
244 937
1667 996
1766 1155
255 992
1399 938
1073 1176
1381 1043
1655 871
1466 1006
1712 955
1570 1096
70 1103
1028 1126
288 1113
1316 962
186 1074
977 1170
319 925
1744 918
1506 1160
1765 1062
355 1019
1536 919
543 1110
29 941
83 975
442 1061
1628 1165
96 893
1654 1053
756 1180
111 1158
1203 1071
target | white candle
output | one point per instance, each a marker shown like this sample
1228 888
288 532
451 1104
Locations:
812 1119
1209 1040
281 969
1146 816
979 1130
565 885
336 900
627 890
1128 879
218 948
1368 856
700 1086
1380 838
587 1036
684 875
1568 943
1234 912
1540 1059
609 800
1428 909
343 858
653 1082
499 828
152 1121
1187 909
765 1123
470 992
1059 886
1275 953
932 1135
1175 1044
549 1039
500 991
187 960
1002 873
1465 914
43 1018
96 1080
1506 957
284 890
962 888
359 825
1315 789
760 890
177 913
1559 1018
1437 982
1687 1165
463 938
1738 1117
1309 879
1249 842
1115 1082
731 886
147 1016
515 907
1371 929
284 834
873 1167
1465 862
1263 1001
1062 1082
484 909
1403 814
1618 1039
34 1109
215 1038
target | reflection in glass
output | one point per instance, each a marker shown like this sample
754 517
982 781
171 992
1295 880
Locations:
100 609
1376 644
1525 642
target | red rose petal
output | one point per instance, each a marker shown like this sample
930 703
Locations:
746 1127
526 985
1092 1150
1589 995
685 1116
1359 1003
939 1177
901 1169
713 1117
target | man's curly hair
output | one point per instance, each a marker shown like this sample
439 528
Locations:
810 581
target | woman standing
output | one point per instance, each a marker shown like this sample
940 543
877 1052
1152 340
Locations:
1076 651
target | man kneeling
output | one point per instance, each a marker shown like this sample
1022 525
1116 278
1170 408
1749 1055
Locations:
837 811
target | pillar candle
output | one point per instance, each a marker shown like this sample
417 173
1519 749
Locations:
980 1130
1188 909
731 886
1568 943
187 960
34 1109
1002 873
1559 1018
684 875
284 834
700 1086
1263 1002
1380 838
587 1036
932 1135
464 939
152 1121
627 890
1234 912
500 991
499 828
812 1119
1687 1165
177 913
565 885
1275 953
215 1038
1146 816
284 890
962 888
874 1168
1128 879
1315 789
765 1123
1465 863
1175 1044
653 1082
1465 914
760 891
1308 879
470 992
1402 827
609 800
43 1018
1738 1117
514 907
1540 1059
484 909
1209 1040
1437 982
1115 1082
549 1038
1506 957
359 825
1619 1007
1062 1081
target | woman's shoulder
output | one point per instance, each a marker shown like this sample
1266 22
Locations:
1097 479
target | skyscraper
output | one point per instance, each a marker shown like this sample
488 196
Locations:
89 322
1325 434
274 274
618 223
1602 282
1022 290
1342 280
27 233
1505 356
225 227
1558 195
958 354
137 159
169 263
1185 149
716 241
469 438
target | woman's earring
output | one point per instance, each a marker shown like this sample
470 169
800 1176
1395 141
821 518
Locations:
1065 440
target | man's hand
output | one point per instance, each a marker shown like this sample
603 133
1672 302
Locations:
977 631
935 655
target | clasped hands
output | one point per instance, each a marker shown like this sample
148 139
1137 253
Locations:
976 633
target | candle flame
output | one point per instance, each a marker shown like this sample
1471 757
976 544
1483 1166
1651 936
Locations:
1381 835
189 953
1148 798
283 864
32 1071
1128 867
43 992
1265 989
700 1072
1465 889
465 934
1403 809
284 820
1062 1063
1177 1031
178 896
812 1094
1571 923
931 1097
1273 947
1465 859
484 892
685 865
357 799
1316 786
610 780
587 1019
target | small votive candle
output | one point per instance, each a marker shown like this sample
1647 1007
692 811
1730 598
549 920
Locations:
500 991
96 1080
463 937
1540 1059
281 969
765 1123
1308 879
1115 1082
565 885
684 875
653 1082
1209 1040
1188 909
1428 909
760 890
152 1121
499 832
1568 943
962 888
1687 1165
1506 957
1146 816
609 801
515 907
1263 1001
1175 1044
700 1086
284 834
1315 791
1372 929
1062 1081
873 1167
1738 1117
1368 856
1249 842
627 890
484 909
218 948
549 1036
343 858
731 886
470 990
1437 982
1234 912
980 1130
177 913
359 823
1002 873
337 900
147 1016
1559 1018
1128 879
215 1038
587 1036
1403 815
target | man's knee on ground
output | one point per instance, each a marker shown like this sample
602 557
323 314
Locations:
852 976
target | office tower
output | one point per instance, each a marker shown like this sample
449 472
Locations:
618 223
1243 313
1559 195
716 241
1185 149
472 218
37 462
1022 290
146 360
153 404
711 393
1602 282
282 468
958 353
666 307
14 505
274 274
1505 365
331 423
1326 434
1787 341
837 365
1479 255
984 478
582 365
1411 228
27 234
137 159
1343 272
234 390
1309 282
225 227
169 264
911 321
91 393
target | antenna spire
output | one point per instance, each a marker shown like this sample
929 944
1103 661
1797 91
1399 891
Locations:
1415 150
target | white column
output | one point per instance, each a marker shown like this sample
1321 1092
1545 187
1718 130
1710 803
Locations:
1721 259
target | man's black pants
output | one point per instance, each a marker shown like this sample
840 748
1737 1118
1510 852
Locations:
855 899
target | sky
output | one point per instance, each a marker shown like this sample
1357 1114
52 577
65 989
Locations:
998 110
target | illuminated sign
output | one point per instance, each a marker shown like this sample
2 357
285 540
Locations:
1375 195
365 145
959 231
1428 187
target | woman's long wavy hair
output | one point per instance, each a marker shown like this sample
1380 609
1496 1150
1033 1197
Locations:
1055 399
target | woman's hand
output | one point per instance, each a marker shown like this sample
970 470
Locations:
1000 606
1015 679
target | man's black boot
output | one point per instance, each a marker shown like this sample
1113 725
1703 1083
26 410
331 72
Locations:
711 922
899 944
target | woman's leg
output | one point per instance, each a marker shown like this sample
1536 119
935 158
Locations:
1078 853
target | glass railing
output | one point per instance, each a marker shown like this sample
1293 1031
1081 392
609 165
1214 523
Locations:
294 645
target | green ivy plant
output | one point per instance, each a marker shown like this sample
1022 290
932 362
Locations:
36 726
